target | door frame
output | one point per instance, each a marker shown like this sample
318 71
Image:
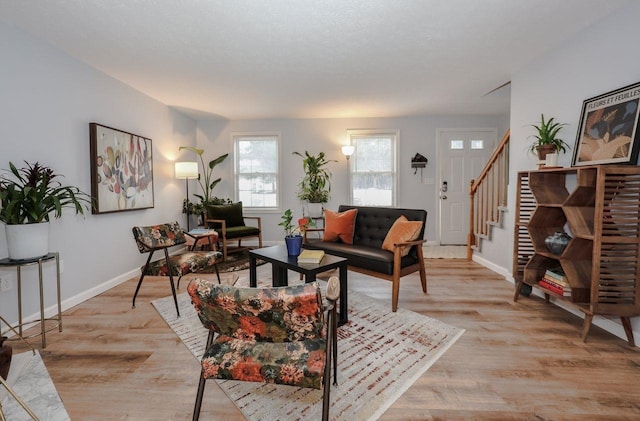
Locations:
439 154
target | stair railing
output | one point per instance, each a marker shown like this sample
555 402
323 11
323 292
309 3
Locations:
488 195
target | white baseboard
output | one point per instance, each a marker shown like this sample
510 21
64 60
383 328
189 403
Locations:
52 311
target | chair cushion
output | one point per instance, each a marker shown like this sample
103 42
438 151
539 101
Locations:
244 231
291 363
402 231
231 213
339 226
182 264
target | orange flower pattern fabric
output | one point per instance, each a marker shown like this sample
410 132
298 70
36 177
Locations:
272 335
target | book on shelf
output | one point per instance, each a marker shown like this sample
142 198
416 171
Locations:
556 283
557 274
310 256
565 292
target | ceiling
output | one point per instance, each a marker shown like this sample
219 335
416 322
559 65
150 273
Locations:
255 59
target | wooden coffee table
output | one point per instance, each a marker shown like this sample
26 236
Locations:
281 262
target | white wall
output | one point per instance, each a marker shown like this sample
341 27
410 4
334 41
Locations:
417 135
46 103
600 59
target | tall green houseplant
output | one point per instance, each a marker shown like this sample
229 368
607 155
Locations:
316 184
207 183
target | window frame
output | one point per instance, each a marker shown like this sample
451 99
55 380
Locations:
352 135
235 138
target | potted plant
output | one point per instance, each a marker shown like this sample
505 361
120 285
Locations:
292 236
206 183
28 196
316 184
547 140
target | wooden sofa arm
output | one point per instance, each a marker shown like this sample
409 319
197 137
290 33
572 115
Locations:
409 243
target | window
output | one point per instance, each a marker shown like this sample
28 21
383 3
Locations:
257 169
477 144
373 167
457 144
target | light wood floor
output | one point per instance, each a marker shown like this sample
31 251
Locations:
519 361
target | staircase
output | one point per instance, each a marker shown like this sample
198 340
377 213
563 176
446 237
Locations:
488 197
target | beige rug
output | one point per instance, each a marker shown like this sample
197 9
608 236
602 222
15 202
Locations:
381 354
445 252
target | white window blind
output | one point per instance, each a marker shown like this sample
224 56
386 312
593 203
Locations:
257 170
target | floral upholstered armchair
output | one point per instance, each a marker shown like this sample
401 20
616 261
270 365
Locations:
162 237
273 335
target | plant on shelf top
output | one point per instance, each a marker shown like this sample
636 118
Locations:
316 184
206 183
547 135
30 194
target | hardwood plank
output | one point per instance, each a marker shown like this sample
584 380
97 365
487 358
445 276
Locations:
521 360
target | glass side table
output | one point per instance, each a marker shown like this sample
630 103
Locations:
19 264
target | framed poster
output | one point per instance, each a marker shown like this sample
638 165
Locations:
608 131
121 170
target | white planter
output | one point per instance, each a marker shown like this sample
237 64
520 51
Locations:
314 210
27 241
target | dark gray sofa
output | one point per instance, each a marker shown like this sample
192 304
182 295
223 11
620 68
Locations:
366 255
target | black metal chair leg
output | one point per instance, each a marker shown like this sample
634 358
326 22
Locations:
198 405
173 287
144 272
215 266
335 346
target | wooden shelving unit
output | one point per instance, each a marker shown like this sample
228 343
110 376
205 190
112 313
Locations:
601 263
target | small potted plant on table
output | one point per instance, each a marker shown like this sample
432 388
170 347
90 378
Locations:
292 236
547 140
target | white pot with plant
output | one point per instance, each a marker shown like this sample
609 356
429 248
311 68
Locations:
28 197
315 187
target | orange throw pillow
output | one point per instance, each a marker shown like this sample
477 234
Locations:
339 225
402 231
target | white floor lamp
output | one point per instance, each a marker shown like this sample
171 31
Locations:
187 170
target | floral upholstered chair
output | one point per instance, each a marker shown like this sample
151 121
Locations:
161 237
272 335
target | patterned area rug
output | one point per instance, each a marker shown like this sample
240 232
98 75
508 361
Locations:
30 380
381 354
237 261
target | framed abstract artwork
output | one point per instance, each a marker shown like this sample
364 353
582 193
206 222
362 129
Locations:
121 170
608 131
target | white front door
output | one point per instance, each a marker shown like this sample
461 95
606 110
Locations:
463 153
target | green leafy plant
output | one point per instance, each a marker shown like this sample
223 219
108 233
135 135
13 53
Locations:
316 184
206 183
547 135
28 195
289 228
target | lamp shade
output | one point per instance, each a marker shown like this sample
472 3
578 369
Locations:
348 150
186 170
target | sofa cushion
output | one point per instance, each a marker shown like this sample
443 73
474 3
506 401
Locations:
372 258
402 231
339 225
231 213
